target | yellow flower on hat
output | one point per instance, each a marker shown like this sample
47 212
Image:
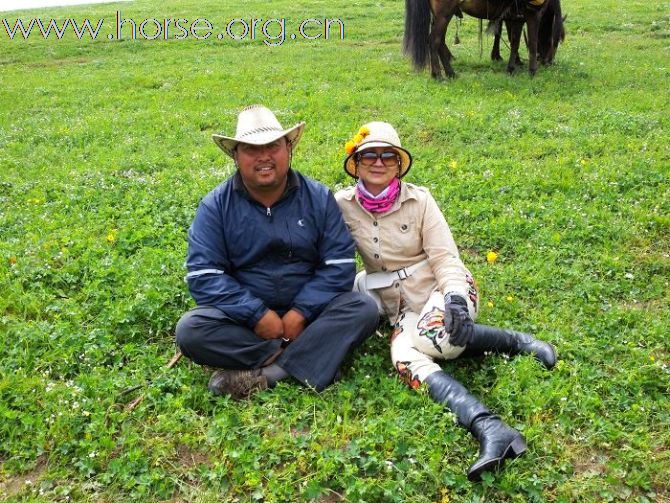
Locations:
351 145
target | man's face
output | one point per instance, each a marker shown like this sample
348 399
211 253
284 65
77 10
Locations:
264 167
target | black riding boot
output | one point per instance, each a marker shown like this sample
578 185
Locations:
510 342
497 441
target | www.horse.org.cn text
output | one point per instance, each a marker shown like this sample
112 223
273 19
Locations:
271 32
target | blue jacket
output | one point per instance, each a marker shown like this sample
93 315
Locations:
244 258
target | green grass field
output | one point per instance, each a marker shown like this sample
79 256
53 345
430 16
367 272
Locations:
105 151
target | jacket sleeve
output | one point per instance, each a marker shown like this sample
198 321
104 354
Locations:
335 273
207 277
443 257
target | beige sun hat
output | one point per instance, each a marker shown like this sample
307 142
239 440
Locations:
371 135
257 125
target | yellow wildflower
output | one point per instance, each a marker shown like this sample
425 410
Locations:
12 260
111 236
445 496
489 304
491 256
509 298
453 164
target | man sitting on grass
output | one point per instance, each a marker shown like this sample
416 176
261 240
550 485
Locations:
271 267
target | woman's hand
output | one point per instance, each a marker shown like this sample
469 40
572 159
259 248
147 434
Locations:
457 320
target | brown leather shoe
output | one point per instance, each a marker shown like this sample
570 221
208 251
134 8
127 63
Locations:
237 383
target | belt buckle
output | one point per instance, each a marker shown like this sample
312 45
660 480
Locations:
402 274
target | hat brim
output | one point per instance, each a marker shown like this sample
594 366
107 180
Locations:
405 158
228 144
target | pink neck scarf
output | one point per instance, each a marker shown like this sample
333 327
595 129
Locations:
380 203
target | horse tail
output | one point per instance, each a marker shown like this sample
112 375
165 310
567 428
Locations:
417 30
559 28
551 31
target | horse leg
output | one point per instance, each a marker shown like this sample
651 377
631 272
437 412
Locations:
515 28
446 57
497 34
533 23
555 32
445 53
436 43
510 26
433 47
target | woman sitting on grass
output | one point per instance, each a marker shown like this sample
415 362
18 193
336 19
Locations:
413 270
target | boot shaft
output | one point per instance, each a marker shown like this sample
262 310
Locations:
447 391
510 342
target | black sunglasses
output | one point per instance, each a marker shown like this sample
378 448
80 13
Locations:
369 158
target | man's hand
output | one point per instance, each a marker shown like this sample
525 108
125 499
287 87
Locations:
270 326
457 320
294 324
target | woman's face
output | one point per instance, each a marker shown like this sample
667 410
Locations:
377 167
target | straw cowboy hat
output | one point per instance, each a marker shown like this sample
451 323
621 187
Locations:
257 125
371 135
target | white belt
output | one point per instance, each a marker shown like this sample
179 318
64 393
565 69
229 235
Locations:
385 279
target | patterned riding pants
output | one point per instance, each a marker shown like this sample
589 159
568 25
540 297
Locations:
419 339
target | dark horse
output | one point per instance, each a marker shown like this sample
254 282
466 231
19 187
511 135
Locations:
543 17
547 43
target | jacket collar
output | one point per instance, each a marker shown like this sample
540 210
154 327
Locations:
407 191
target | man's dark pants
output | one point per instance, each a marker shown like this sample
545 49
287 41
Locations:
208 337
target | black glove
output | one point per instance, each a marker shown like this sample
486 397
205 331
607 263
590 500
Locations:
457 320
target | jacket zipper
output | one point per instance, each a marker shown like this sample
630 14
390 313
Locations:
290 241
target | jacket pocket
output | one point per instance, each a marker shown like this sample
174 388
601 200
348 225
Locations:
406 237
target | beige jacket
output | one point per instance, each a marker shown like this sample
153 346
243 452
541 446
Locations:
413 230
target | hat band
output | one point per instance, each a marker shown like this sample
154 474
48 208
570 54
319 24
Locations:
261 130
